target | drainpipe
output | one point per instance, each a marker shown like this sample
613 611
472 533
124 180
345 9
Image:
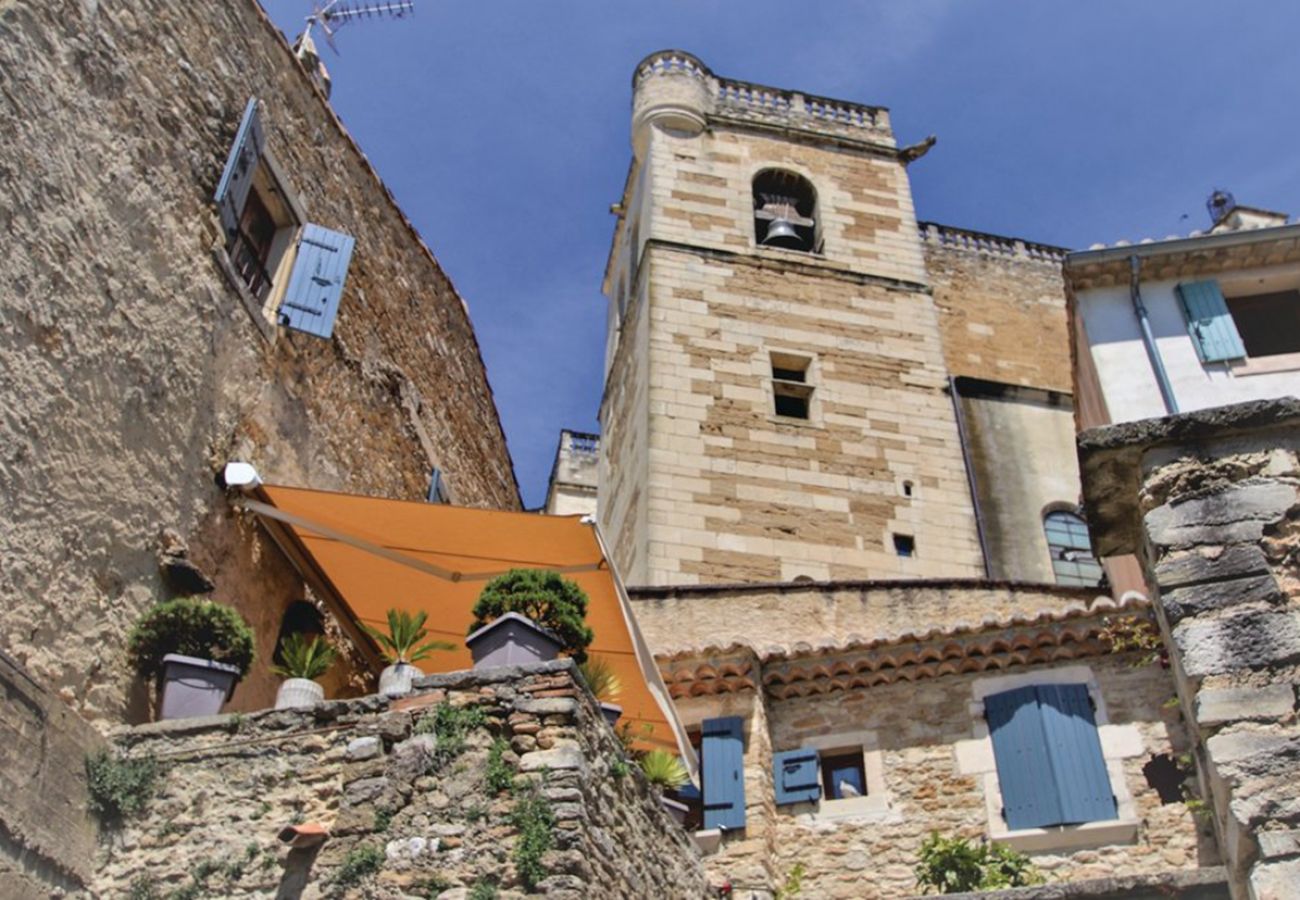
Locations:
1148 339
964 439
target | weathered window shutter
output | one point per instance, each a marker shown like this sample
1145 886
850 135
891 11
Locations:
722 748
1029 794
1075 750
794 773
237 177
1210 322
311 301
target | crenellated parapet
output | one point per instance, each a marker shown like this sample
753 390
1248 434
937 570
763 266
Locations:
673 89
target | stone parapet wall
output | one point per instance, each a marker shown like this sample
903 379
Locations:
1209 502
47 838
363 769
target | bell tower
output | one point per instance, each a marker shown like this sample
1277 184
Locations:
775 403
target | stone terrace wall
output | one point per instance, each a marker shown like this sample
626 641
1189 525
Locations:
1209 501
131 369
47 838
360 768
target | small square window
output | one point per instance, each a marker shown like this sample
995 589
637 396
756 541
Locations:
791 390
904 545
843 775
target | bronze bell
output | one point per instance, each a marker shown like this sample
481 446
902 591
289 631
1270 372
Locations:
781 233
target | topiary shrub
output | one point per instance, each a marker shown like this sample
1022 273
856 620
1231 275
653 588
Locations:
190 626
552 601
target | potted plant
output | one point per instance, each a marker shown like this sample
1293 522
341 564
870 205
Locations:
553 603
666 772
196 649
604 684
402 647
303 662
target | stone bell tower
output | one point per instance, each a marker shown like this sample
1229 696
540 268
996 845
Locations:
775 403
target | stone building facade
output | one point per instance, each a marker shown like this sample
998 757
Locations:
139 352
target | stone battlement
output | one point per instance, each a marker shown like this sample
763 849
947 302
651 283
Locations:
982 242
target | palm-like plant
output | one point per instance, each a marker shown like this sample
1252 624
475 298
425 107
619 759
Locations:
601 678
664 769
303 658
402 643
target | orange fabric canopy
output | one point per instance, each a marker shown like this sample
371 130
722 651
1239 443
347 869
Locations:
374 554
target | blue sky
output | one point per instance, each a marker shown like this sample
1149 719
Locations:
502 129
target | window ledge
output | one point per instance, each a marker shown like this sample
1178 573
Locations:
1262 365
794 420
874 809
709 840
1070 837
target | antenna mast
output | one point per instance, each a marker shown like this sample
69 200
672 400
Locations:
333 15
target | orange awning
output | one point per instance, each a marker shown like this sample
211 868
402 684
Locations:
369 555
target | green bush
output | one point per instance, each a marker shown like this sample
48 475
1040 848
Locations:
119 787
552 601
451 725
192 627
499 775
360 863
304 658
955 865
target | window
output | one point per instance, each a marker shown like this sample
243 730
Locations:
1071 550
785 211
791 391
843 775
904 545
1269 324
1048 755
292 271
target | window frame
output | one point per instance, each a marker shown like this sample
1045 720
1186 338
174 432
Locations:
875 804
805 388
975 757
1059 510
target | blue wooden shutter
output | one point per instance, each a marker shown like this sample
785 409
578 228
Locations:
1029 794
436 493
311 301
794 772
1209 321
722 748
237 177
1074 748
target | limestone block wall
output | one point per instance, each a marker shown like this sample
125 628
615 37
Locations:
130 368
1209 501
735 493
369 772
47 838
1001 305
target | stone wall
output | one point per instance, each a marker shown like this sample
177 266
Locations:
47 838
433 818
1209 502
1001 305
130 366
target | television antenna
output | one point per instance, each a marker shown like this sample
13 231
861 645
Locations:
332 15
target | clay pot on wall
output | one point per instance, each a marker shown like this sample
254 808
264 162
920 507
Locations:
296 693
192 687
512 640
395 680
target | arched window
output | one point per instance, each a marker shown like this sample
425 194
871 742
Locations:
300 618
1071 551
785 211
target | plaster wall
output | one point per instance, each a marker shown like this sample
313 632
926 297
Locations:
1124 372
131 368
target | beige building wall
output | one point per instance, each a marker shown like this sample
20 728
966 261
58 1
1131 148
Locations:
698 471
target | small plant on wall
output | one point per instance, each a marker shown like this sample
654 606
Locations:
303 662
406 642
120 787
664 770
956 865
552 601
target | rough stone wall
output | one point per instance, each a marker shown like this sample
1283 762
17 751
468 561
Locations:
362 769
1209 500
47 838
1001 309
130 367
917 730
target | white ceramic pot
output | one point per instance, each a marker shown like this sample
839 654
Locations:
396 679
299 692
